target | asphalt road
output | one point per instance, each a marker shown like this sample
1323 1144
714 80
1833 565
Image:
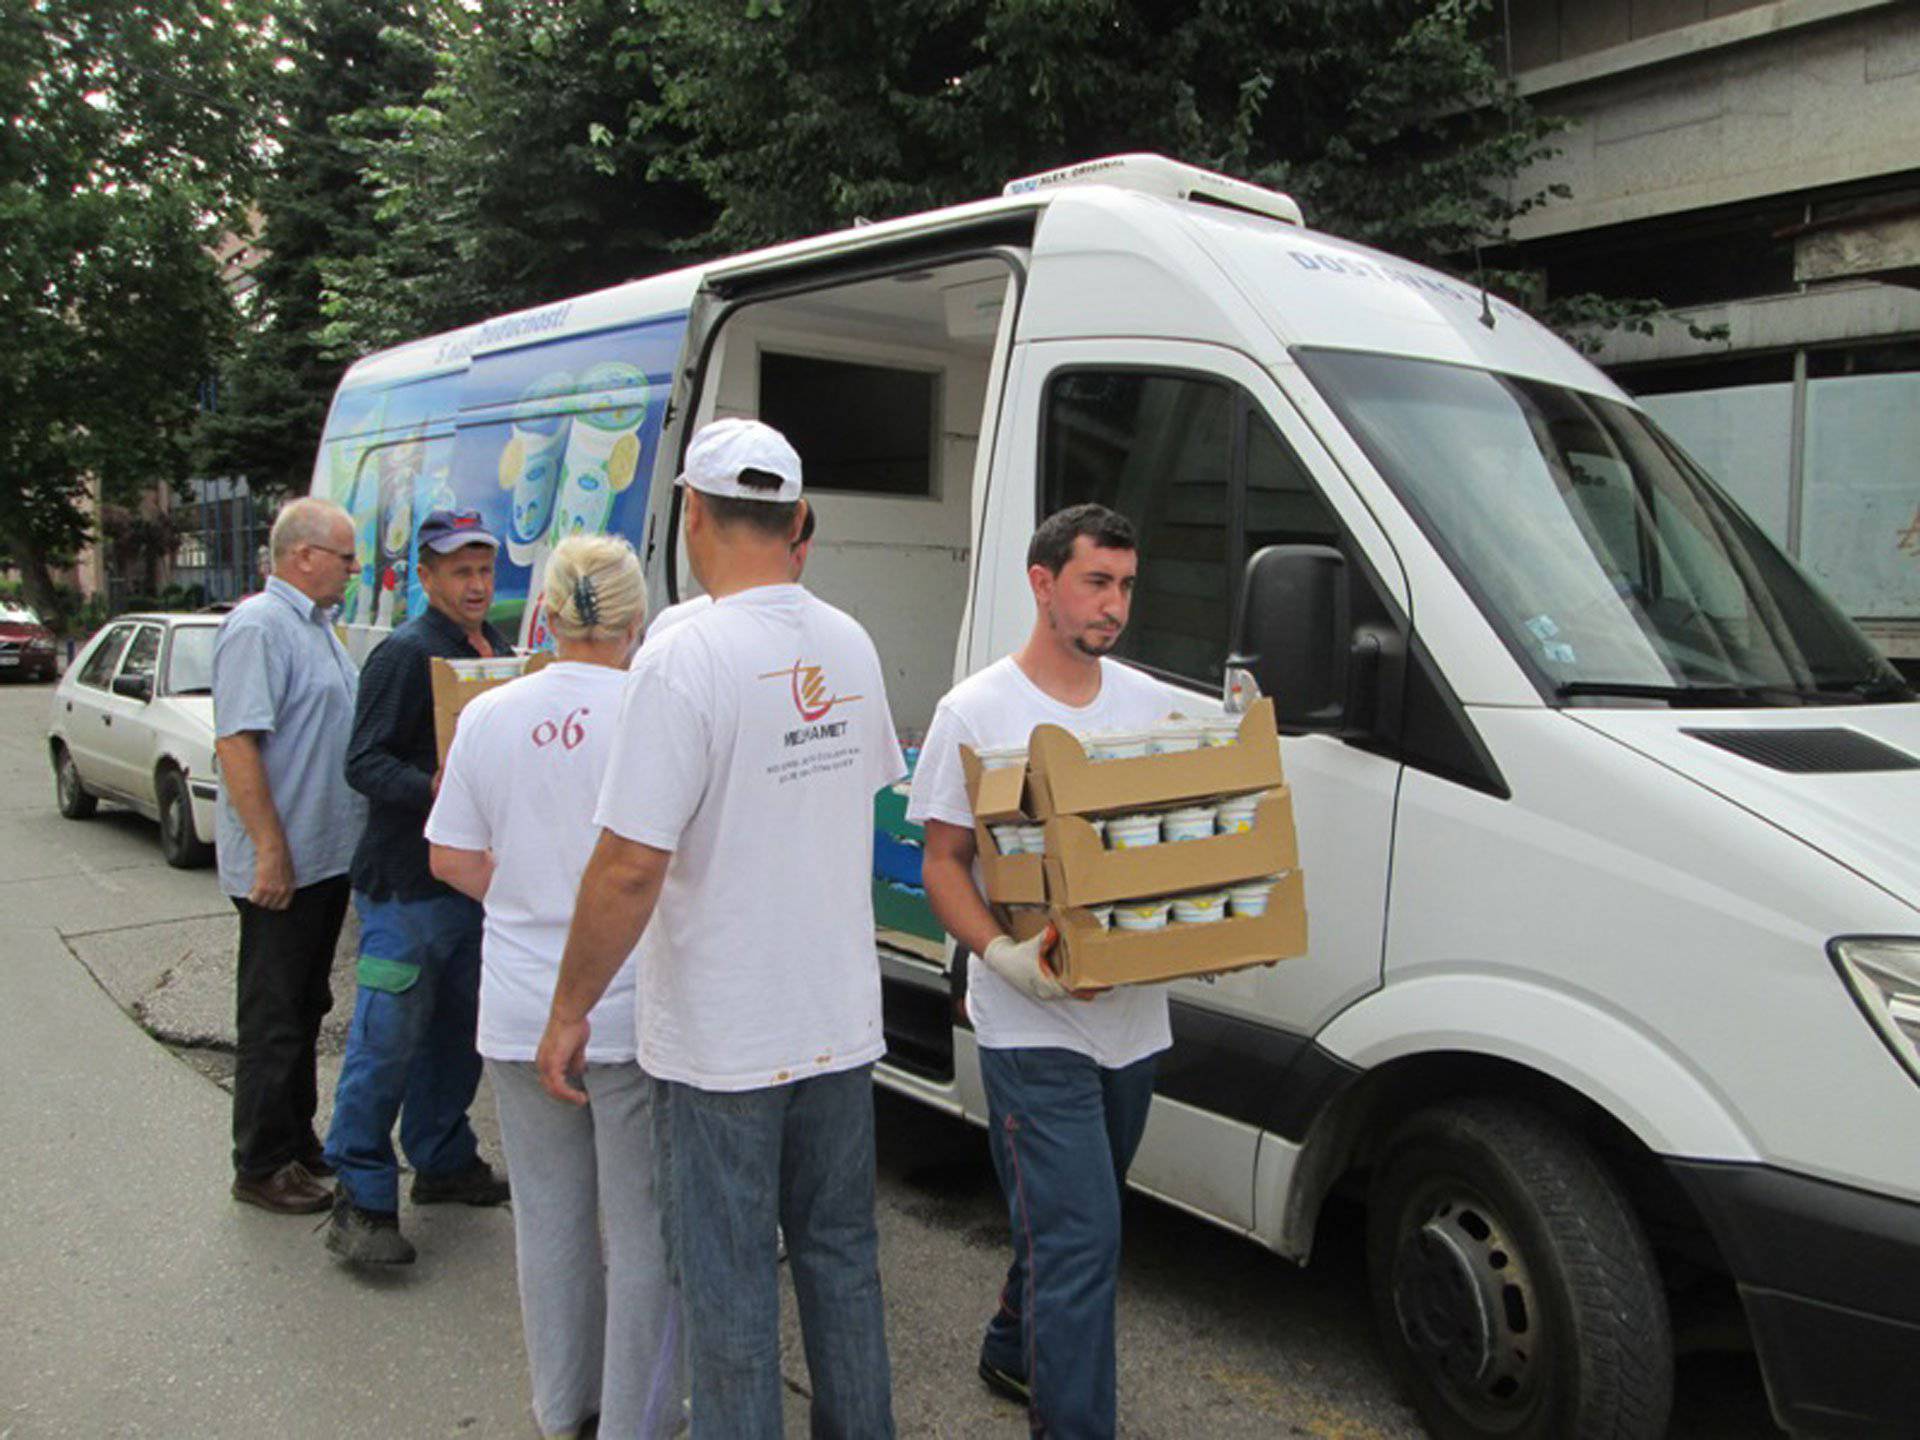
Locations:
1218 1338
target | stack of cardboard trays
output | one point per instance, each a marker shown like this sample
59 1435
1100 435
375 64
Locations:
456 682
1063 790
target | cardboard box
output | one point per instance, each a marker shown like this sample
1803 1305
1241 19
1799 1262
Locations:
1061 780
1091 958
999 798
452 691
1080 870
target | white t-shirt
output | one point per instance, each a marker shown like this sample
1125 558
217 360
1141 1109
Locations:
674 614
1000 706
521 781
753 738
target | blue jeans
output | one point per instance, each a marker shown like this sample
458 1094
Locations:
1063 1130
410 1050
735 1163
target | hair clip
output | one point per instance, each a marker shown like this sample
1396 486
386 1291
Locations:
585 603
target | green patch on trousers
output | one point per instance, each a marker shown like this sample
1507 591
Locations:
395 977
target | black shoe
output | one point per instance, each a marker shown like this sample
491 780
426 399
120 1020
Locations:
475 1185
1005 1384
367 1237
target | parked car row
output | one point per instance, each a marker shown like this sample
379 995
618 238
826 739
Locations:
132 722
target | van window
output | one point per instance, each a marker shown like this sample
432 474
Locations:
868 429
99 667
1206 481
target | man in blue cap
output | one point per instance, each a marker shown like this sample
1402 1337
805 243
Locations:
410 1051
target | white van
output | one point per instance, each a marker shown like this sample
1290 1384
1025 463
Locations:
1610 820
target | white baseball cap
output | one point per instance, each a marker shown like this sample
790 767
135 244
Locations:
723 448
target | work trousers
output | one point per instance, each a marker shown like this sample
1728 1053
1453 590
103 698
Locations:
283 991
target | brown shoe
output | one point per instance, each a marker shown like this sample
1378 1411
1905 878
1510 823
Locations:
290 1190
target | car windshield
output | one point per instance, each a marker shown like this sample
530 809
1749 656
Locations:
1611 566
17 615
190 664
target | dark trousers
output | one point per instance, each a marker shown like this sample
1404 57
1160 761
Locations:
286 964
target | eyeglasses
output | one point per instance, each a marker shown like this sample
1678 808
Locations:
347 555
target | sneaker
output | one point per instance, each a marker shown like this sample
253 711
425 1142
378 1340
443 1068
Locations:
367 1237
475 1185
1005 1384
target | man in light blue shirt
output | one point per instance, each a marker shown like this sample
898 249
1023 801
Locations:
283 697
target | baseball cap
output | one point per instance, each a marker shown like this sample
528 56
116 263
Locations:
446 530
723 448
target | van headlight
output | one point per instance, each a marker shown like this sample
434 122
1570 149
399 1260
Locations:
1884 975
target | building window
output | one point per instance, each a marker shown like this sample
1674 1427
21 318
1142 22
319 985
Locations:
868 429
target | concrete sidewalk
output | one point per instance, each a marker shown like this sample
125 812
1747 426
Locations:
141 1302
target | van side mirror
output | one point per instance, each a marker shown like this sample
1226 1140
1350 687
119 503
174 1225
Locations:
134 687
1295 633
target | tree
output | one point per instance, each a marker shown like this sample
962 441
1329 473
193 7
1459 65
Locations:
1387 119
339 57
128 141
517 178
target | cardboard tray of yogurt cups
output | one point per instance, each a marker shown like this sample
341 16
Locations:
1063 778
1081 870
1090 956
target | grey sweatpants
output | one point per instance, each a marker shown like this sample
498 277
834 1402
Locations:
601 1317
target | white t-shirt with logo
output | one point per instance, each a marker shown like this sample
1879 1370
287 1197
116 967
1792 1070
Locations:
1000 706
753 738
674 614
521 780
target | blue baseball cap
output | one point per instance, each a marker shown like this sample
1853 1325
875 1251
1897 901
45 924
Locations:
447 530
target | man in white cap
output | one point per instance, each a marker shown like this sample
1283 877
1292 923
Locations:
737 852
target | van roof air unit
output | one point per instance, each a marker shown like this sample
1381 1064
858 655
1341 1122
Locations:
1157 175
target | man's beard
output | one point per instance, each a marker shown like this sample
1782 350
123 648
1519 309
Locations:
1087 645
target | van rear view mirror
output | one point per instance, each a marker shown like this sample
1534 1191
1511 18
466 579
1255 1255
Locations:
1295 632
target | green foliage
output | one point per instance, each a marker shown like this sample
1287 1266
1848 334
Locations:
518 177
128 144
1387 119
337 58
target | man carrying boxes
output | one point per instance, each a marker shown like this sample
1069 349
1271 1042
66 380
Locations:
1069 1079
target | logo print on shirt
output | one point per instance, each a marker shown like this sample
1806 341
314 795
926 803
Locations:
809 686
569 732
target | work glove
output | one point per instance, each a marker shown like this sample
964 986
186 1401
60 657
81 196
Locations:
1023 964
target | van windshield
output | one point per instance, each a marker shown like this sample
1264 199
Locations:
1611 566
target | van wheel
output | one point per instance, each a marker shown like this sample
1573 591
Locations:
75 803
1515 1292
181 846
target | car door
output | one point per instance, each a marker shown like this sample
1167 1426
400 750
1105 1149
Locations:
1198 446
126 744
87 719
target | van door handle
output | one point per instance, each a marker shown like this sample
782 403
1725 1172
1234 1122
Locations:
106 719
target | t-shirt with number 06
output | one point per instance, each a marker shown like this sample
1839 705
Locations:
521 780
754 735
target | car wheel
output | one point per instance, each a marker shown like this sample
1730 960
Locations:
182 847
1515 1292
75 802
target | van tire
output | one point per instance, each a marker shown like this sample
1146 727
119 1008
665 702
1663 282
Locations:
1515 1292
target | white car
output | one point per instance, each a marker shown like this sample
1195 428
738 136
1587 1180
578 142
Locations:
132 722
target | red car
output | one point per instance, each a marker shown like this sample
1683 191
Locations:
26 646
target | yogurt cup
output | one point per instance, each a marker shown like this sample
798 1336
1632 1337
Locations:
1220 730
1103 914
1007 839
1133 832
1116 745
1251 898
1170 737
1236 815
1001 757
1194 822
1099 825
1206 907
1033 839
1141 914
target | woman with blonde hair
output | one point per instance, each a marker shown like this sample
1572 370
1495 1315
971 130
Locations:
513 827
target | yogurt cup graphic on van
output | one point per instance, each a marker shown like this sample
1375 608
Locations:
396 535
602 457
530 467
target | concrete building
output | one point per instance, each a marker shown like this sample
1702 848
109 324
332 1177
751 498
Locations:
1755 166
